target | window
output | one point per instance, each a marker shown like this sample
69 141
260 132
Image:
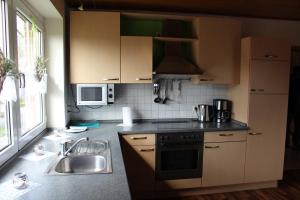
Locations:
8 141
29 47
28 112
5 139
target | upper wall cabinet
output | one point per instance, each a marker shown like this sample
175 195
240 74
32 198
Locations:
94 47
136 59
270 49
217 51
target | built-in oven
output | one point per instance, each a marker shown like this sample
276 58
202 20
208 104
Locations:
179 155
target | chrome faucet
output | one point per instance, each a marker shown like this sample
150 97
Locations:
65 153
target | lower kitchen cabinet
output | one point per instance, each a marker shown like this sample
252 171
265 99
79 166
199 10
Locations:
223 163
140 167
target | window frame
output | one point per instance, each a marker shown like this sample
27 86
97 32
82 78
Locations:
12 149
27 11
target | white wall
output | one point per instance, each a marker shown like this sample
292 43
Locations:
54 51
140 98
268 27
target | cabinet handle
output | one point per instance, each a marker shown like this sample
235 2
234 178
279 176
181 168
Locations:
206 79
271 56
139 138
255 133
261 90
22 80
111 79
212 147
226 134
146 150
143 79
253 90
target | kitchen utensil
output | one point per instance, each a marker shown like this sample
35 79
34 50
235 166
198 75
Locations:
155 88
157 99
20 180
39 149
166 92
205 113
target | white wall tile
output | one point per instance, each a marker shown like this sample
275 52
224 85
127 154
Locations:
140 98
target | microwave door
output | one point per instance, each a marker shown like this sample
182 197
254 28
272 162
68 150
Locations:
92 95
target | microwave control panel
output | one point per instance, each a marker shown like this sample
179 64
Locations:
110 93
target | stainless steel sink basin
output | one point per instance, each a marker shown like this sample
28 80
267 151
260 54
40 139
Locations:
81 164
89 161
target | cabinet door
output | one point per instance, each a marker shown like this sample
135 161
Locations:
217 51
94 47
223 163
140 167
136 59
266 140
270 49
269 77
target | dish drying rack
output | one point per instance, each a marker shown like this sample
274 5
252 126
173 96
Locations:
90 147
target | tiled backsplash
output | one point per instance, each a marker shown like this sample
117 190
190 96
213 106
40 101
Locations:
140 98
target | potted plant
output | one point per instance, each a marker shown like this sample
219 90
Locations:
40 68
7 68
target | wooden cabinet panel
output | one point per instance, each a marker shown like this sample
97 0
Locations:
94 47
140 139
270 49
225 136
140 167
217 51
136 59
179 184
269 77
223 163
266 140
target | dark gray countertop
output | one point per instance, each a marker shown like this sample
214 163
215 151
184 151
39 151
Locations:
96 186
73 187
169 126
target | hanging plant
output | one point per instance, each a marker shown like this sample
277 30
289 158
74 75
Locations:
40 67
7 68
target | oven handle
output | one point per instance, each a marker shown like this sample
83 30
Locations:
139 138
212 147
146 150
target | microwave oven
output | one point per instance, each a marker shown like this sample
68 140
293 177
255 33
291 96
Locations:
94 94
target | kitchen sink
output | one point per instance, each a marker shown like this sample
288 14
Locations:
87 158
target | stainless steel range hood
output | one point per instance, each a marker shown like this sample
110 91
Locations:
174 63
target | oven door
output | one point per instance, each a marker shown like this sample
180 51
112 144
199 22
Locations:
179 162
91 94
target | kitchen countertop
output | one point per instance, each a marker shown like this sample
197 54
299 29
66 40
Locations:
187 125
96 186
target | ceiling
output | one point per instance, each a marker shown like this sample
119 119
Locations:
278 9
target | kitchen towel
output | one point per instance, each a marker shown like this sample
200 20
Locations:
127 116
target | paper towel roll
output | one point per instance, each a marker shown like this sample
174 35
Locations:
127 116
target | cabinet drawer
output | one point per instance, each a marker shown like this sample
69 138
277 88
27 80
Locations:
140 139
225 136
270 49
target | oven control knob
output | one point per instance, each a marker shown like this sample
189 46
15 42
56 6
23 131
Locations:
110 96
